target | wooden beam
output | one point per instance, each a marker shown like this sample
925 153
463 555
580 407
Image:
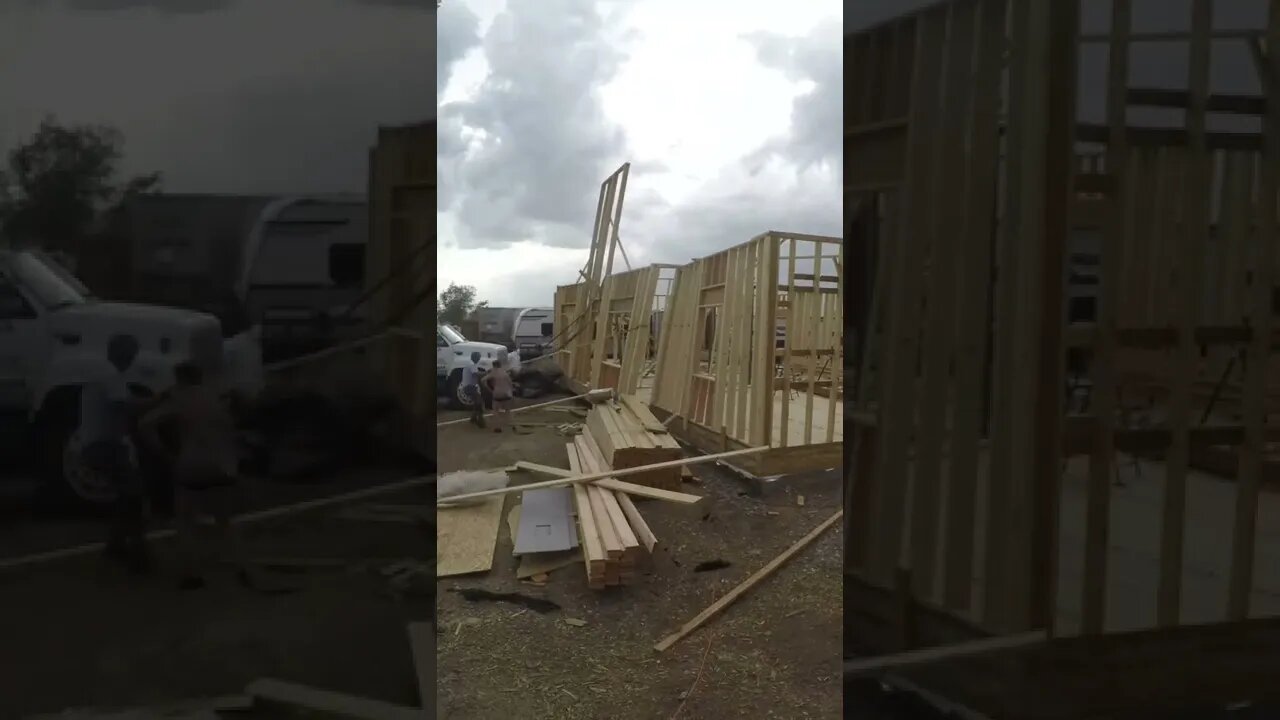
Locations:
291 697
564 481
925 656
719 605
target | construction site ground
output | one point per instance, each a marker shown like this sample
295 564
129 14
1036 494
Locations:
775 653
79 632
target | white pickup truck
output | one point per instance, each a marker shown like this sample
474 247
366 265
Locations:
52 334
453 352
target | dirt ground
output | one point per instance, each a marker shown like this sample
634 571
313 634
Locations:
79 633
775 653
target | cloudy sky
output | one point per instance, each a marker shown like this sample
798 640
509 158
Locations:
729 112
223 96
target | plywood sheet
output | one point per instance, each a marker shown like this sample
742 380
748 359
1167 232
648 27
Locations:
545 523
467 536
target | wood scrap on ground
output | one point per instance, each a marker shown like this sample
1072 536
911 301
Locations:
291 697
466 537
764 572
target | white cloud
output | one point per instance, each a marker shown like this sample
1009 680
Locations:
729 112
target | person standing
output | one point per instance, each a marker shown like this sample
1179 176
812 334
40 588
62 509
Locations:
106 417
498 380
205 471
471 388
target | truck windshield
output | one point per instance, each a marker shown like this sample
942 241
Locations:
453 337
53 287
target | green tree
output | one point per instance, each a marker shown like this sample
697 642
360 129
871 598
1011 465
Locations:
456 303
57 184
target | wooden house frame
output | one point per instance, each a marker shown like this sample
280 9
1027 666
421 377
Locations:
603 323
729 376
623 335
964 153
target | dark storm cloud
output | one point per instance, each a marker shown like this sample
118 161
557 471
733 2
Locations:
542 143
205 6
815 135
221 103
457 32
170 6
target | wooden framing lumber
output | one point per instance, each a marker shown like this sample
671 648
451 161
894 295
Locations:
888 663
720 368
965 379
638 524
422 640
1244 538
620 486
321 703
588 477
719 605
594 557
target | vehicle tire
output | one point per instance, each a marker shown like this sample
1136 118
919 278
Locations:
457 400
74 484
62 468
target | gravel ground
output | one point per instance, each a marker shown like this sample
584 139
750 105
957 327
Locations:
80 633
773 654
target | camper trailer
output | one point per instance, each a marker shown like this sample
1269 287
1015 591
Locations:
529 330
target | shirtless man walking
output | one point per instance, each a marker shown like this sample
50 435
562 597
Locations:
498 380
205 470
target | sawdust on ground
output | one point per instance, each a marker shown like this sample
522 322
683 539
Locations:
775 653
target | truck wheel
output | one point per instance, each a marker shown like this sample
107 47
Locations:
62 457
457 399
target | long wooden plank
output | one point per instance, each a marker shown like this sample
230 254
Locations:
619 485
719 605
973 331
422 640
1244 539
742 342
999 585
901 345
789 340
1102 458
814 328
934 400
1038 557
623 472
609 536
593 556
887 663
766 313
638 524
322 703
1189 271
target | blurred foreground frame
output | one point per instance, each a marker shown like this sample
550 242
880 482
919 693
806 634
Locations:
1053 489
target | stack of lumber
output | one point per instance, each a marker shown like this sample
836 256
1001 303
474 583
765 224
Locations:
615 539
628 435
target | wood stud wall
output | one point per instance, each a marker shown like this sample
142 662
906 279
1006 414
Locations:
724 380
962 373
